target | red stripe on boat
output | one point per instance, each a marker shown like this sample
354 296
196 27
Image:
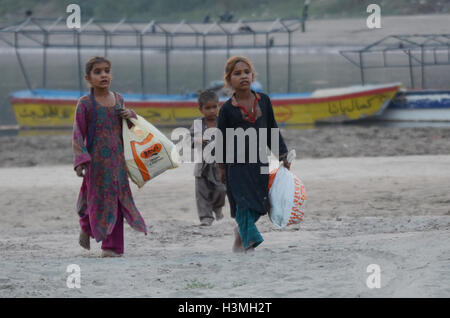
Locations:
315 100
190 104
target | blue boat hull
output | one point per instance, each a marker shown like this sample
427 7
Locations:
427 105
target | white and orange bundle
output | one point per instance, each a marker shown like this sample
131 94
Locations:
148 153
287 196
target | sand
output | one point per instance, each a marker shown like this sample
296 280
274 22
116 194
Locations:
376 195
390 211
369 140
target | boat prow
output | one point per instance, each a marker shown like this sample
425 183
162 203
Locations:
335 104
418 105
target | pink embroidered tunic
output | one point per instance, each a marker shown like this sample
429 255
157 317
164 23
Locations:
105 184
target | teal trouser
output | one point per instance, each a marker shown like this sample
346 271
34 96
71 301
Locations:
246 219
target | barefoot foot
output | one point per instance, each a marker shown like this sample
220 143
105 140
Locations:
237 246
84 240
110 253
250 250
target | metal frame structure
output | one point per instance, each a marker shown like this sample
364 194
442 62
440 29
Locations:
414 46
47 33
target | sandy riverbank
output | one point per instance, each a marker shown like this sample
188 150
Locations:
390 211
322 142
376 195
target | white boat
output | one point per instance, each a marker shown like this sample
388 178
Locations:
418 105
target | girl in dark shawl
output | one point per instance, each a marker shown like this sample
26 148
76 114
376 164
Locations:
247 180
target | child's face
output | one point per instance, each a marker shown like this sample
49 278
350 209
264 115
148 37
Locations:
210 109
242 76
100 76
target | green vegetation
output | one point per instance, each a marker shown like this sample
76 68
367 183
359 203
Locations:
195 284
238 284
196 10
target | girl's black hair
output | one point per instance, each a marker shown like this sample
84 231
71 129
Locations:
95 60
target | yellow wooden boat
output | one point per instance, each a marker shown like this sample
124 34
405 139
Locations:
42 108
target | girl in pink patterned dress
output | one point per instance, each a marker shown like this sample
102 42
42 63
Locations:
105 197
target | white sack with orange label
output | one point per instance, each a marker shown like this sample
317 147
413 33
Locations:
148 153
287 196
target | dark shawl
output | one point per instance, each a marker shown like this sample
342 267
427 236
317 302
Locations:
246 186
